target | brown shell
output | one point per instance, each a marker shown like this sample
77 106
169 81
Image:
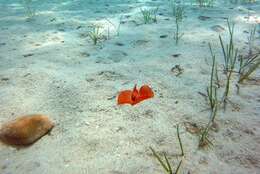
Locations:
25 130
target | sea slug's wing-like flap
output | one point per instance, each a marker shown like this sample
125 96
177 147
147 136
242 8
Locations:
125 97
146 92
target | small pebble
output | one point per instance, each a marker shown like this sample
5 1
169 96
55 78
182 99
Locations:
177 70
53 19
119 44
163 36
5 79
28 55
204 18
176 55
78 27
85 54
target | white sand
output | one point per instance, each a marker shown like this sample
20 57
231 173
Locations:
76 83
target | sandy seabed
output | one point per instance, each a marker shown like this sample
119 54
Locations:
49 65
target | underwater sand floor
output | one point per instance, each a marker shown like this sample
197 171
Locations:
49 65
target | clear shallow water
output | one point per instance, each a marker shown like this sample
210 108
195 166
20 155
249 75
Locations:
51 65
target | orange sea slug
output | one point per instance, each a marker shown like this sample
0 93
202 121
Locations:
135 96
